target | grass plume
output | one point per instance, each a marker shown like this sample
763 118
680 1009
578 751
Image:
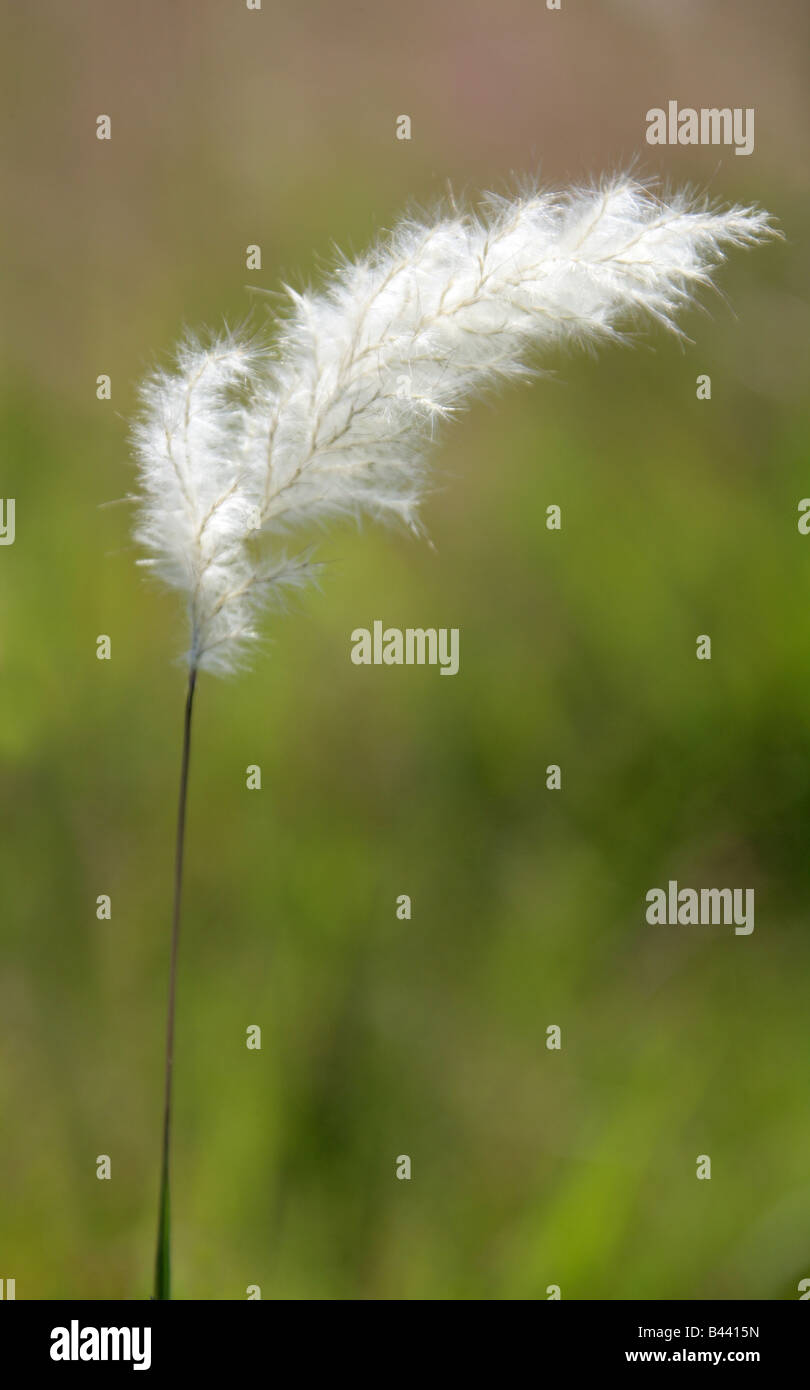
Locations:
244 438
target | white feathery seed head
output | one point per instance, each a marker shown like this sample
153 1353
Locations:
239 442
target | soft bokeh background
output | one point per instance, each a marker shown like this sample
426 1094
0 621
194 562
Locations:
426 1037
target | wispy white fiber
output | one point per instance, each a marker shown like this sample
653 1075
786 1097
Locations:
238 442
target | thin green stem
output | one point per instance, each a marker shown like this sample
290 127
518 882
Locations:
162 1257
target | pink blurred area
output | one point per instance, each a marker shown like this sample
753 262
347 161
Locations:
277 126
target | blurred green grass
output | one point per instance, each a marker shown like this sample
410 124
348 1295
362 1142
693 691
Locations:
427 1037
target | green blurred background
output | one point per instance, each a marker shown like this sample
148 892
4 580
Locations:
424 1037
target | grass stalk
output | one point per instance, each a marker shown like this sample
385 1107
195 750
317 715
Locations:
163 1252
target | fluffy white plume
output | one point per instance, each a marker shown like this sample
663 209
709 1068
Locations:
235 441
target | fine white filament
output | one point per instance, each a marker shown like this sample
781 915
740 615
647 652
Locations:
238 442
